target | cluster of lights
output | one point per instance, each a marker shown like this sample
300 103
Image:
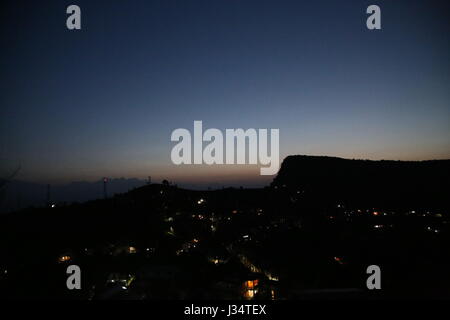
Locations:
339 260
434 230
64 258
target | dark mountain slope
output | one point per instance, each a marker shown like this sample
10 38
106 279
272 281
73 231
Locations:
364 182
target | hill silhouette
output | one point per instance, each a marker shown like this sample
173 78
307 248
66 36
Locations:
18 194
387 183
293 237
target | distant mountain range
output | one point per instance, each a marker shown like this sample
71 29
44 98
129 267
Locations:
385 183
19 194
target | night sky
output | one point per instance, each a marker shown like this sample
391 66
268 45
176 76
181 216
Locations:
103 101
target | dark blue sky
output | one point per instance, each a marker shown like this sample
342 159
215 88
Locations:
103 101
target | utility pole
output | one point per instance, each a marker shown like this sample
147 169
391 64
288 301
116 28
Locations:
105 181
